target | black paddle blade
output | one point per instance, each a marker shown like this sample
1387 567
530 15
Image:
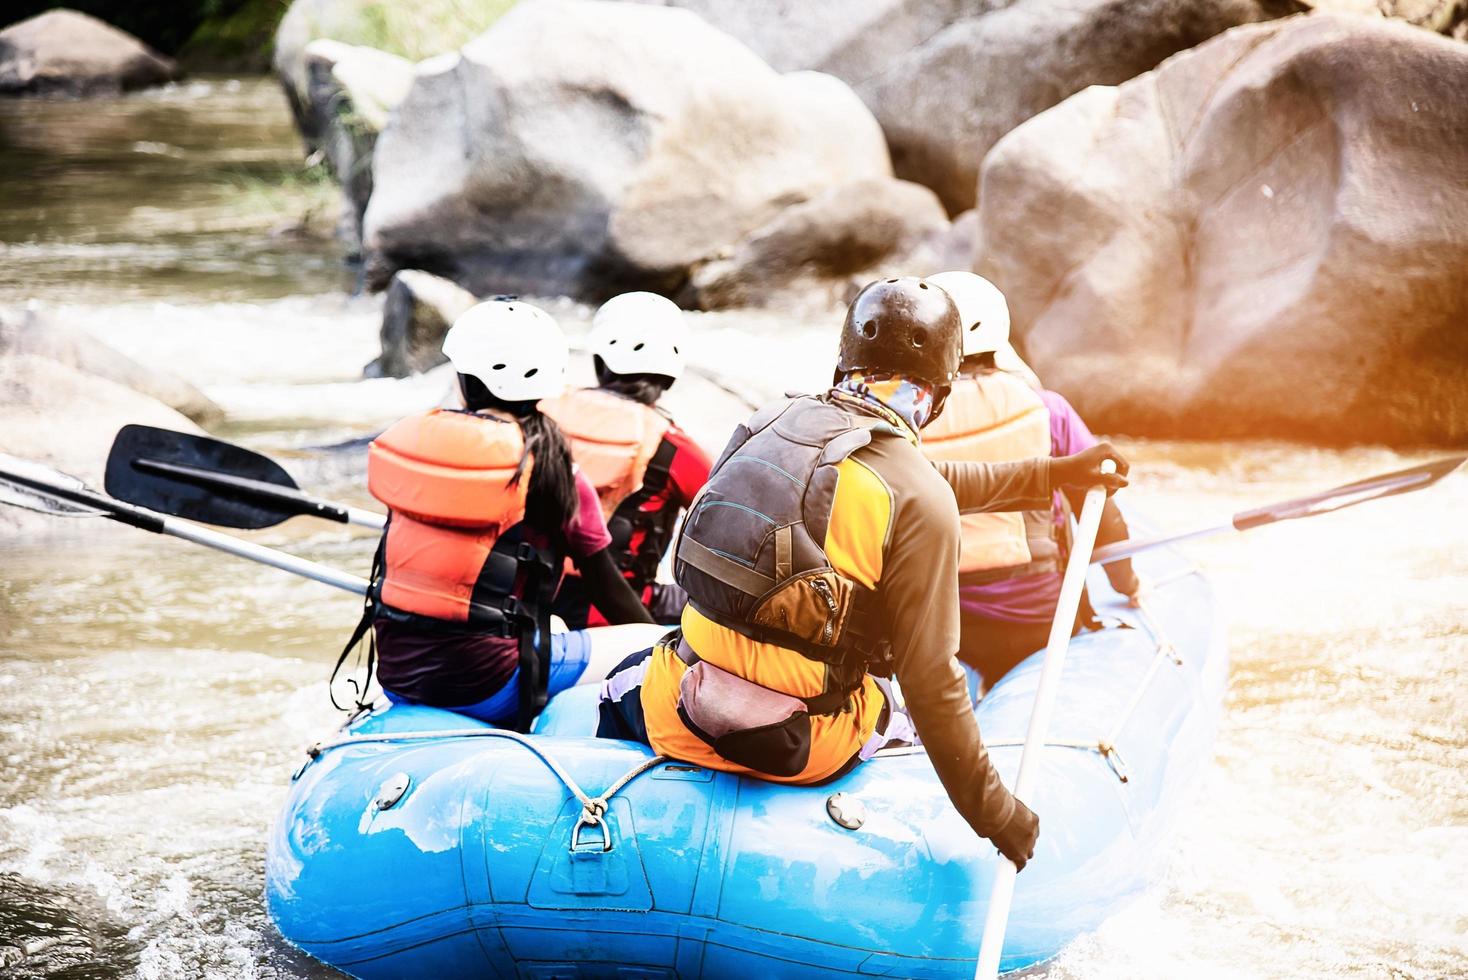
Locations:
1350 494
199 479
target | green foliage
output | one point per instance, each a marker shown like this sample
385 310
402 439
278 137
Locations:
425 28
237 37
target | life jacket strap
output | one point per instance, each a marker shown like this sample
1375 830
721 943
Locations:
657 526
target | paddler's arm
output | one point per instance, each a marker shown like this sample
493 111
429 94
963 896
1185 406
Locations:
919 590
1027 484
609 590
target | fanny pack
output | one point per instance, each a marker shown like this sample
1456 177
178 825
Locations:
744 722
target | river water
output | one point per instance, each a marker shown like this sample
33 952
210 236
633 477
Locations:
154 697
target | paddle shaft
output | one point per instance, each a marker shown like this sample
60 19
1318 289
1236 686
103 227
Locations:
1326 502
300 503
146 520
1002 893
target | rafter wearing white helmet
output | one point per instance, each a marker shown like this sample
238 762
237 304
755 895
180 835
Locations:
640 333
516 350
985 315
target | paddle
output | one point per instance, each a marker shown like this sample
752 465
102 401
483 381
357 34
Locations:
213 482
40 488
1002 894
1348 495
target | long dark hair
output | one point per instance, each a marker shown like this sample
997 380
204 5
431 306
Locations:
551 499
643 388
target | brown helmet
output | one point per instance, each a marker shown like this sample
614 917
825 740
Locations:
904 326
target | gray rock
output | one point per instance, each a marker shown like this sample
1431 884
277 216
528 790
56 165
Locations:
947 78
587 147
24 334
60 416
1249 241
349 92
63 52
417 312
817 250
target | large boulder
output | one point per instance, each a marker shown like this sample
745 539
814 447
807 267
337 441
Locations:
63 52
817 251
1266 236
947 78
582 146
418 310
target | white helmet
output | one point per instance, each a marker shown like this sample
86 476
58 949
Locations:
982 308
517 350
639 333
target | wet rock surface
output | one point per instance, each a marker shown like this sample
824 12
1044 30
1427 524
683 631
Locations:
64 52
587 147
1253 240
418 310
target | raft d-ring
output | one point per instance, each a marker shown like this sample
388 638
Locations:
592 815
1113 759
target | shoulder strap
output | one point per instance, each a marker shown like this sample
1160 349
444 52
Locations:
629 518
364 624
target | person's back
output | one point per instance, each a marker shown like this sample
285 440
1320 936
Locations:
484 507
645 468
1010 573
821 556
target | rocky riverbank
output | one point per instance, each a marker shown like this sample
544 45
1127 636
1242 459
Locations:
1275 252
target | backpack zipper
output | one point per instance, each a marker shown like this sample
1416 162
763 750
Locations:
825 593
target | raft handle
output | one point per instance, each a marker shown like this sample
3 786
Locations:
593 814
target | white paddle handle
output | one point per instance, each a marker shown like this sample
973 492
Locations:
1002 894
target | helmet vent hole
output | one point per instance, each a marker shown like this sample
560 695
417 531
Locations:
976 325
676 350
498 367
890 281
532 372
922 285
639 347
869 329
612 342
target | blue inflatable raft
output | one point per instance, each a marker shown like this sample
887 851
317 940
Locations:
419 843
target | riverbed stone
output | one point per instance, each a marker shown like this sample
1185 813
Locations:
947 78
24 332
1251 240
416 313
588 147
65 52
823 247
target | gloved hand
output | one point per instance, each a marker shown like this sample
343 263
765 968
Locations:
1016 839
1084 469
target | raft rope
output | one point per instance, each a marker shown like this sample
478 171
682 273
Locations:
1106 746
593 808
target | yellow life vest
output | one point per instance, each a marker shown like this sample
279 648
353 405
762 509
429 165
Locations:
996 418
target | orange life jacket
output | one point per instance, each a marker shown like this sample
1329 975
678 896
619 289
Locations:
994 418
453 556
619 445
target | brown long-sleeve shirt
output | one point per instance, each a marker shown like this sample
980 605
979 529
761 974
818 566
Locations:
919 594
